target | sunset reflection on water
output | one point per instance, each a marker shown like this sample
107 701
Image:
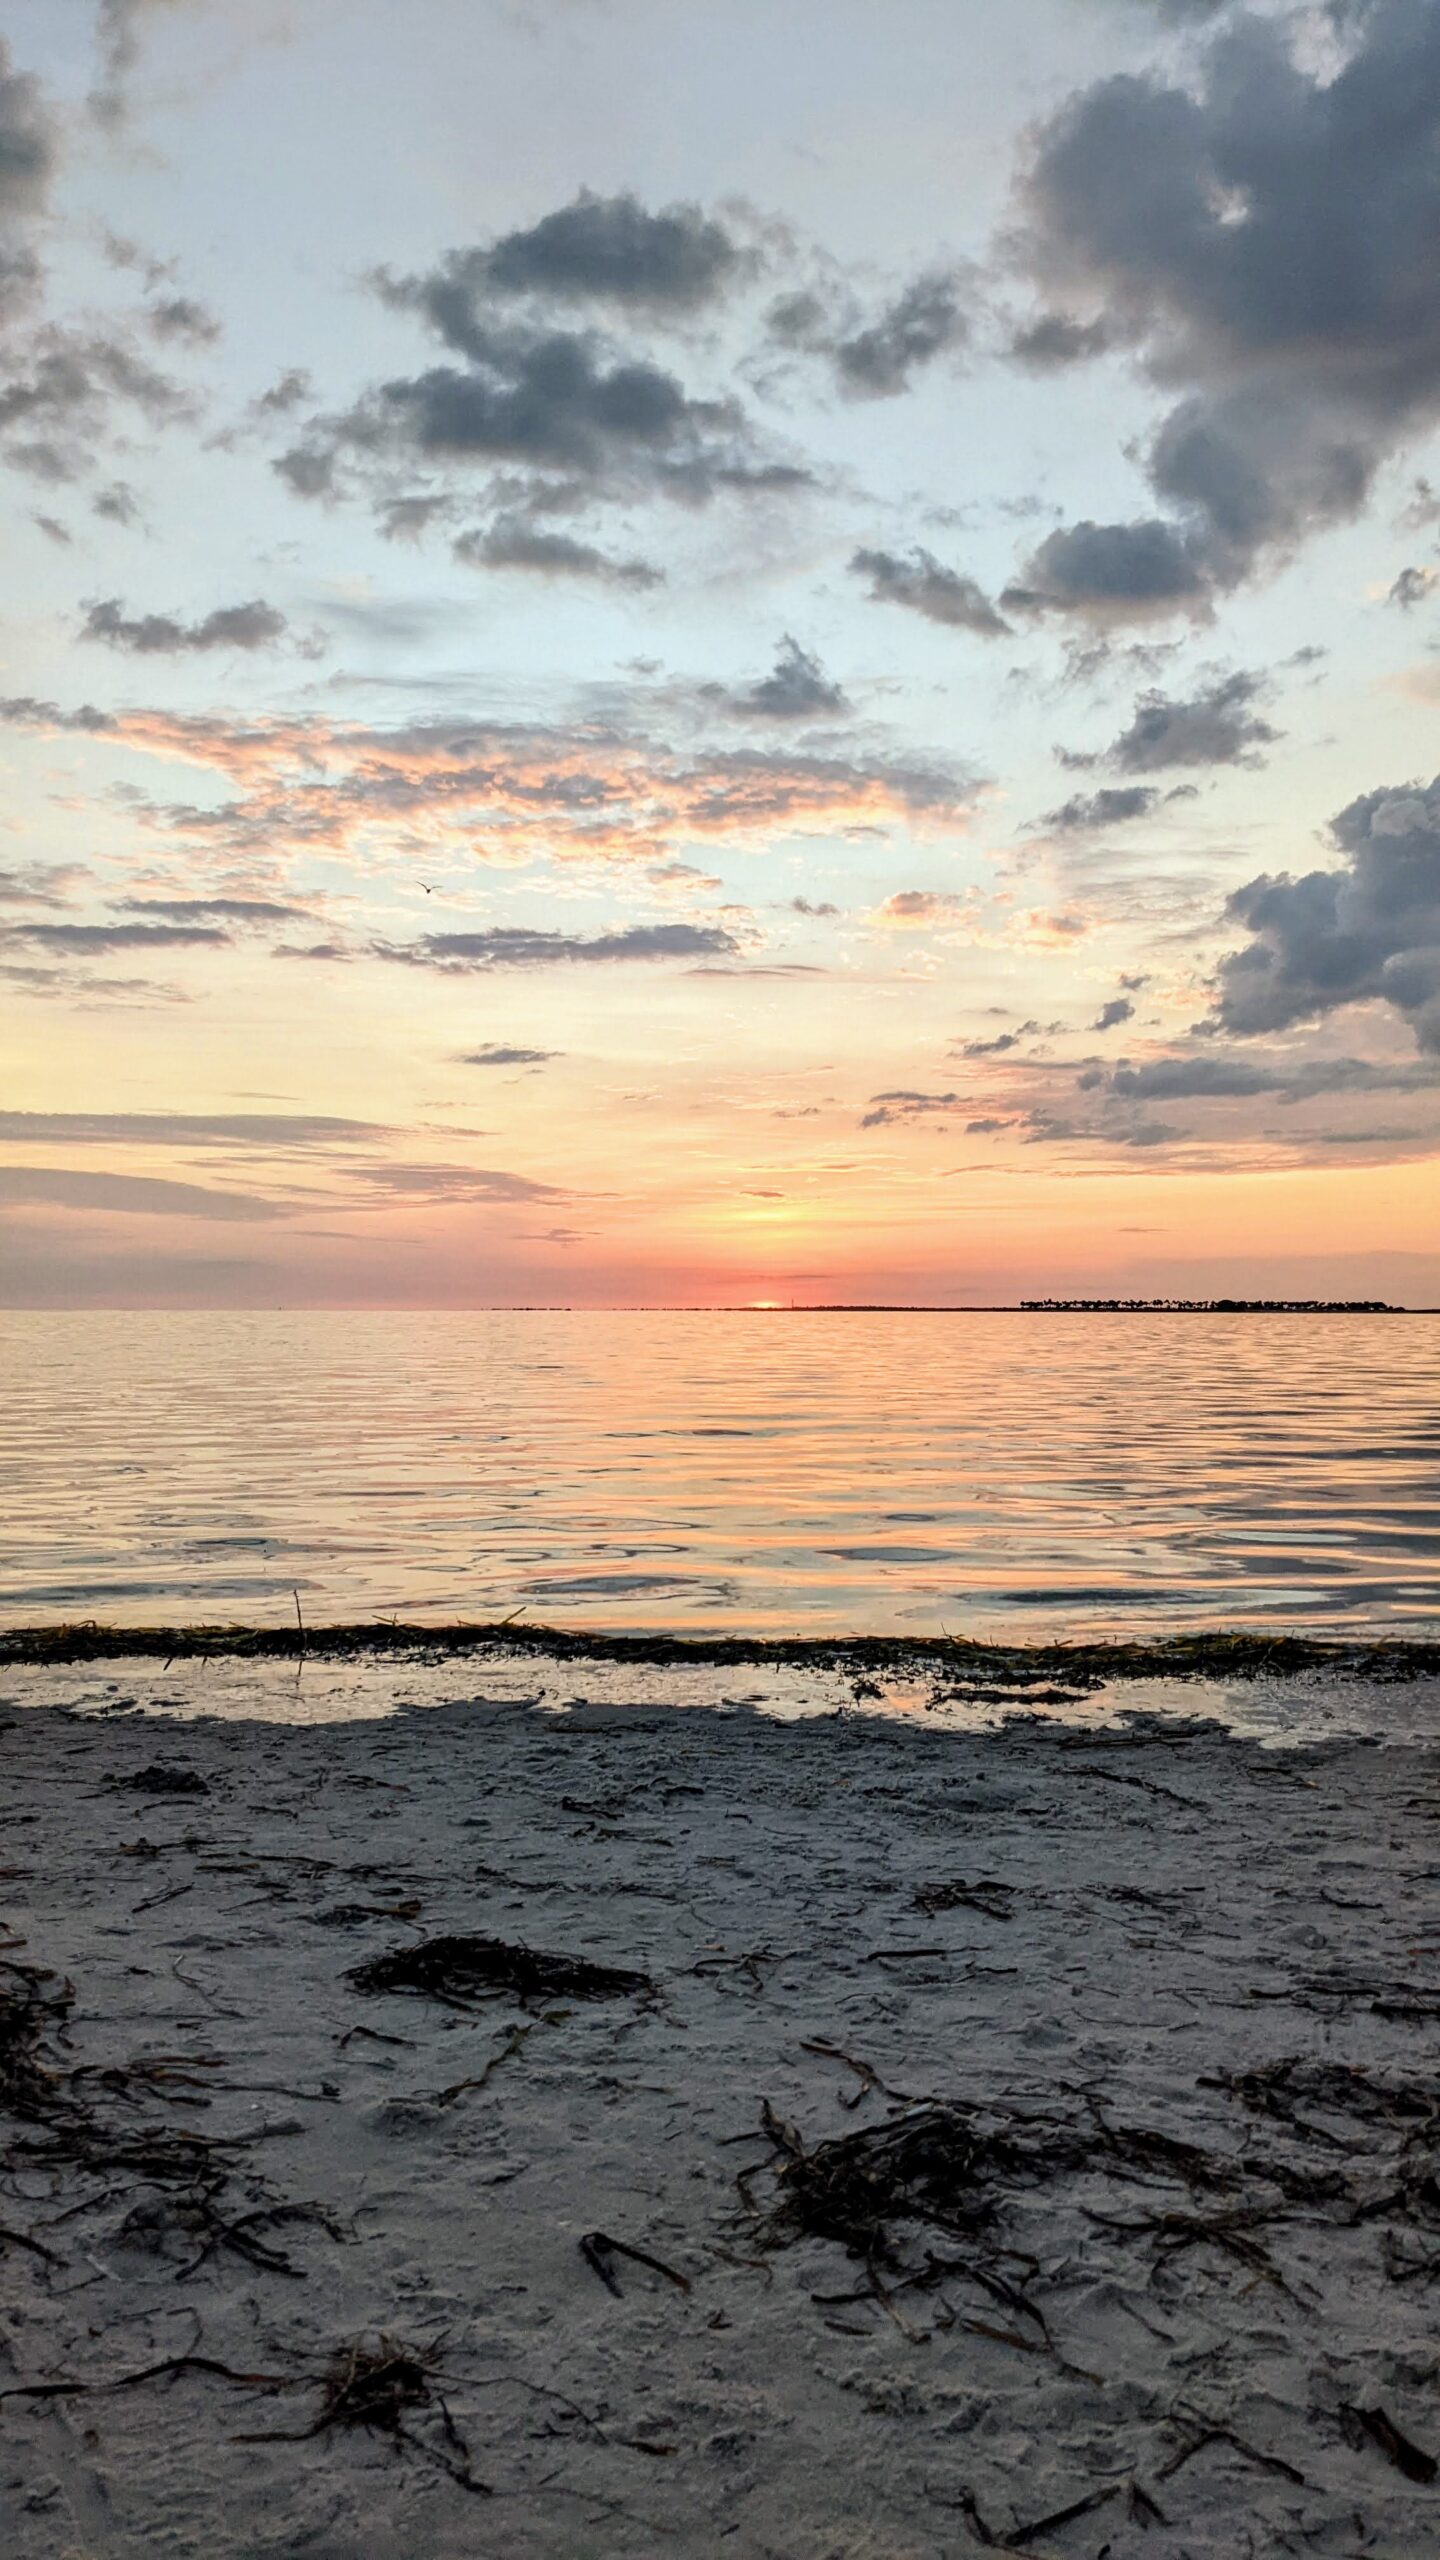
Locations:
750 1470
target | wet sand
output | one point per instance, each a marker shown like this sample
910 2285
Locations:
1159 2278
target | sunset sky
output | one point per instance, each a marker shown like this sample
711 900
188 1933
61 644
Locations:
689 651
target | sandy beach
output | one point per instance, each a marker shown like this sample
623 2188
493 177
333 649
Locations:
1012 2127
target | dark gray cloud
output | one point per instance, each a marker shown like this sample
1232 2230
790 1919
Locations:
1369 930
1412 587
116 505
92 940
255 625
547 401
1112 573
257 911
514 543
998 1047
887 1108
523 947
260 1130
1051 342
797 688
1118 1010
179 317
1216 1074
1264 235
1219 724
497 1053
917 580
29 150
874 357
27 711
813 907
1115 806
53 1187
606 249
60 388
923 322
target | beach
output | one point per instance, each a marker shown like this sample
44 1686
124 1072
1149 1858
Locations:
994 2120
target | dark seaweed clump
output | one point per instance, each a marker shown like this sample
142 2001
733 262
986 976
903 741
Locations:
462 1969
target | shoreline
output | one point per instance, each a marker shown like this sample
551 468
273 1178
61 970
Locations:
1236 1653
1127 2026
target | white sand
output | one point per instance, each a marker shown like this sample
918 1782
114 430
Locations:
1177 1904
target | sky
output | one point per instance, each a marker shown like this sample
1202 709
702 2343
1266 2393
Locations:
671 652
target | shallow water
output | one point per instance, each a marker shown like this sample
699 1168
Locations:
985 1473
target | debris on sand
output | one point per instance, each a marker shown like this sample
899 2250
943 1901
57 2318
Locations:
462 1969
377 2383
996 1901
34 2006
159 1779
931 2165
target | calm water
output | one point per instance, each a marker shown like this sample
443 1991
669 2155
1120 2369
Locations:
982 1473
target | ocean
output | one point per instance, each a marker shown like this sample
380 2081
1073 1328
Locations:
989 1474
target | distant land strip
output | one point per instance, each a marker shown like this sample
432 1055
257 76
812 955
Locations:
1209 1307
1217 1654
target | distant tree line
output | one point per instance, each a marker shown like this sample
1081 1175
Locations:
1210 1307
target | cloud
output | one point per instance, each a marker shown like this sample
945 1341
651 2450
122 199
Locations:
40 884
813 907
260 1130
496 1054
1368 931
605 249
116 505
1412 587
456 1182
1112 573
118 40
233 626
941 595
181 317
512 543
1216 1074
576 417
1118 1010
130 1194
1112 807
29 152
921 323
243 911
512 792
1003 1041
887 1108
59 387
1262 234
1217 726
797 688
1051 342
875 357
91 940
525 947
912 909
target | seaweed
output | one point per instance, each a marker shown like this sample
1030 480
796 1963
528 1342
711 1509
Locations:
463 1969
376 2384
34 2005
159 1779
933 2164
1214 1653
